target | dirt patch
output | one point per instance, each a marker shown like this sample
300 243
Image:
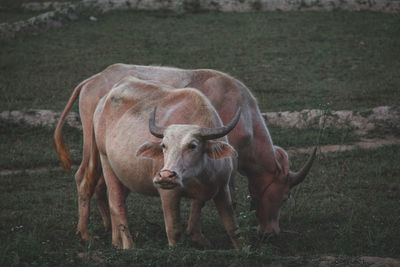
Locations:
382 119
359 121
357 261
363 144
41 117
62 13
98 258
41 6
51 19
380 262
231 5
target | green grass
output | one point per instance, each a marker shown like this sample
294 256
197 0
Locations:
350 199
24 146
294 137
290 61
10 16
347 206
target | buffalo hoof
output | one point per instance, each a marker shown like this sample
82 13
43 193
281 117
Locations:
107 226
84 237
201 242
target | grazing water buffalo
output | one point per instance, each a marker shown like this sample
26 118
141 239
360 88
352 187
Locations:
265 165
185 162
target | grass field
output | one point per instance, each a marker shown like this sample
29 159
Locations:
349 204
290 61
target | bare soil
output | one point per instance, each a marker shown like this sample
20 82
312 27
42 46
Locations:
361 122
64 12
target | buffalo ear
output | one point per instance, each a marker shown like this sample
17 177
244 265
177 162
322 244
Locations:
150 150
282 161
219 150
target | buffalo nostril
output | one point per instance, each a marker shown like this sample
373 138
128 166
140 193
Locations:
167 174
167 179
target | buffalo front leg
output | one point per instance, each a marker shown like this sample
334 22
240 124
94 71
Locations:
171 208
232 183
232 190
121 237
194 225
223 203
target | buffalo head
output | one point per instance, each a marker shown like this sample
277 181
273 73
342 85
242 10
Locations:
185 149
275 190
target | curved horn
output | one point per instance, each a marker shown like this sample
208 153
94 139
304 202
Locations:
297 177
155 130
215 133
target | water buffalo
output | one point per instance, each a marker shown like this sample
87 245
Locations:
265 165
188 161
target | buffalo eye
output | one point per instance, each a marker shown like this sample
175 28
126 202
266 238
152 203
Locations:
163 146
192 146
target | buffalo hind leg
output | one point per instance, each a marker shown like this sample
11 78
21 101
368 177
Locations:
95 181
86 188
100 195
194 225
223 203
84 196
89 180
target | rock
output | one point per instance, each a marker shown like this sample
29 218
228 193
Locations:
39 6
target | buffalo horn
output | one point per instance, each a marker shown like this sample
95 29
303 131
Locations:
155 130
297 177
215 133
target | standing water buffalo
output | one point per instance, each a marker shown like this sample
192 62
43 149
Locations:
265 165
184 163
